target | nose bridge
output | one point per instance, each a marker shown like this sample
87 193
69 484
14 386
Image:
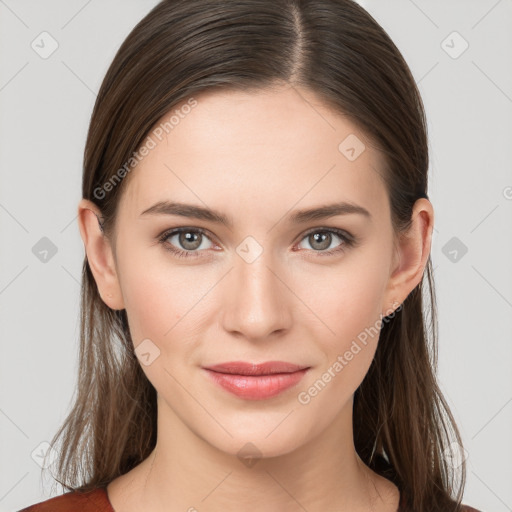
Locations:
256 304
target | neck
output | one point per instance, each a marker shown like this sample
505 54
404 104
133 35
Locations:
186 472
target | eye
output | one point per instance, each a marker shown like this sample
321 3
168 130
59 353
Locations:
189 242
189 239
321 239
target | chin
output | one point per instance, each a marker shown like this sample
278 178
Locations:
251 443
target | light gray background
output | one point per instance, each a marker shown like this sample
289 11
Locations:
45 108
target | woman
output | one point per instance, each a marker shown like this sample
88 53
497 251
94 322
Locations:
257 229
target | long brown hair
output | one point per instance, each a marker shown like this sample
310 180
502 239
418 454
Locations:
334 48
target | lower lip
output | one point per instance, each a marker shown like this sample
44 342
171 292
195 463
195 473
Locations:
257 387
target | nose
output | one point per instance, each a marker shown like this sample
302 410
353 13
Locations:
257 304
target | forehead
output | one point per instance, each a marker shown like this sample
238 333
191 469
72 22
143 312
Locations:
273 148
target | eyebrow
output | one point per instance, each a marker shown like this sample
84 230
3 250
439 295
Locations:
297 217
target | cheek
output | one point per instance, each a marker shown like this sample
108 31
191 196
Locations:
348 298
159 298
349 303
351 310
160 308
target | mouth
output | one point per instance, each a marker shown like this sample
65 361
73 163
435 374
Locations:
256 381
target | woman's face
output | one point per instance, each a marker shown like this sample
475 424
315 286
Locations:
267 285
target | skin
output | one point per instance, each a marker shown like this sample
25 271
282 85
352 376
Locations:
256 157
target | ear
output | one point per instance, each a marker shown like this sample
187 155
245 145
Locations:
411 256
99 254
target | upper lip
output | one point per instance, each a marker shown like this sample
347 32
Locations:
265 368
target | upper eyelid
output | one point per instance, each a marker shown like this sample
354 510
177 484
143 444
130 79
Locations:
174 231
320 229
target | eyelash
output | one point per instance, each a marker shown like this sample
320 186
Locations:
348 241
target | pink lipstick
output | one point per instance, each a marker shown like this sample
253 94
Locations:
256 381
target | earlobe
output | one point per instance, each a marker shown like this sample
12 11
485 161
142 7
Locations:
99 254
412 252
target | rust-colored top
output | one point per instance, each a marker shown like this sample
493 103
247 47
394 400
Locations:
97 501
72 501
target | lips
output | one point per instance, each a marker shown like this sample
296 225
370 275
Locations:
256 381
267 368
